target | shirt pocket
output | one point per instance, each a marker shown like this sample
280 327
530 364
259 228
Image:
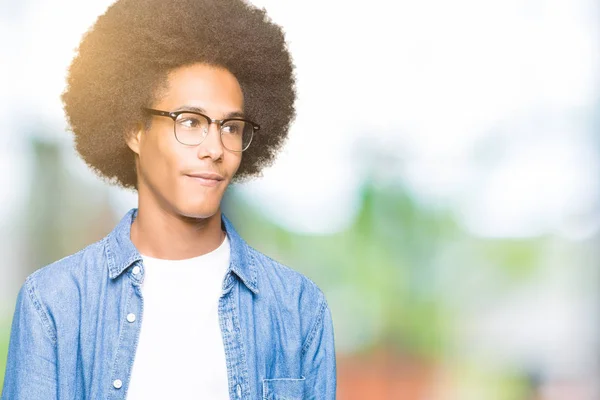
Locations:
283 388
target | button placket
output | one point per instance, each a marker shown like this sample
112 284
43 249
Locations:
234 347
123 358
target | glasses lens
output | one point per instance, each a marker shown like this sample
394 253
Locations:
190 128
236 134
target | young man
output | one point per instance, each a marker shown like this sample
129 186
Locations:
175 99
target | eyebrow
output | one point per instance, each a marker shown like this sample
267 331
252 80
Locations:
234 114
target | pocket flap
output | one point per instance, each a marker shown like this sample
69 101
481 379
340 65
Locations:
283 388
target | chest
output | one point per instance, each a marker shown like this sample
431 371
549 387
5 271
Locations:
250 344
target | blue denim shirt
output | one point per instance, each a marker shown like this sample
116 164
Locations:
71 338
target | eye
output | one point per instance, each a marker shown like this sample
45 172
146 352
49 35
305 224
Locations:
190 121
233 128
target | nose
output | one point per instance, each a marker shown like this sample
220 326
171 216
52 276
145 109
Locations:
212 145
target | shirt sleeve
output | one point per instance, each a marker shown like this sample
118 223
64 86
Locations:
31 364
319 364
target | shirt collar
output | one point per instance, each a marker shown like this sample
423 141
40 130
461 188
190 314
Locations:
121 252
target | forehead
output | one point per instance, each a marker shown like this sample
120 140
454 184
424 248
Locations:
214 89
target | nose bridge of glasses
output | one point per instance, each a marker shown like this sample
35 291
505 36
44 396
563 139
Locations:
217 123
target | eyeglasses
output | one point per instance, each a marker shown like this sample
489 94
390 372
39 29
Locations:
191 128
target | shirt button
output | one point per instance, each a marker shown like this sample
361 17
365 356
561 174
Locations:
117 383
136 270
130 317
239 390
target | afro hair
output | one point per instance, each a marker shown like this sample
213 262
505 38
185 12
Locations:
123 62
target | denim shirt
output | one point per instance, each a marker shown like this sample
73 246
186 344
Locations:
71 337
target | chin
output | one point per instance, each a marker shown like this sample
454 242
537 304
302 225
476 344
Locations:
195 203
203 209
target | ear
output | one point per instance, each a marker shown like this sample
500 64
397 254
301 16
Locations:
134 138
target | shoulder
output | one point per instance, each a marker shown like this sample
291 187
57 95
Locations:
274 275
288 286
292 292
53 292
64 279
70 266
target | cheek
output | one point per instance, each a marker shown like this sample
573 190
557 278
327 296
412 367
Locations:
233 163
159 163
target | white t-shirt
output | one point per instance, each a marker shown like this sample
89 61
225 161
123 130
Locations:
180 353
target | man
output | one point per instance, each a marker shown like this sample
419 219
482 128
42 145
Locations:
175 100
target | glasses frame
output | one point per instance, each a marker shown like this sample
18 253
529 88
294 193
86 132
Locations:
175 114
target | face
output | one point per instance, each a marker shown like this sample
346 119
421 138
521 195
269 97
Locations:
168 171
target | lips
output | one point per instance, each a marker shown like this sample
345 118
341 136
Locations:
206 178
207 175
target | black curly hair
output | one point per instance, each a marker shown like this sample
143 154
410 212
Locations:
123 61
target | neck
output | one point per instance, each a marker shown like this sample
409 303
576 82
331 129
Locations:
163 234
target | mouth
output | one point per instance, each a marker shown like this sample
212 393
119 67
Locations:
206 178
